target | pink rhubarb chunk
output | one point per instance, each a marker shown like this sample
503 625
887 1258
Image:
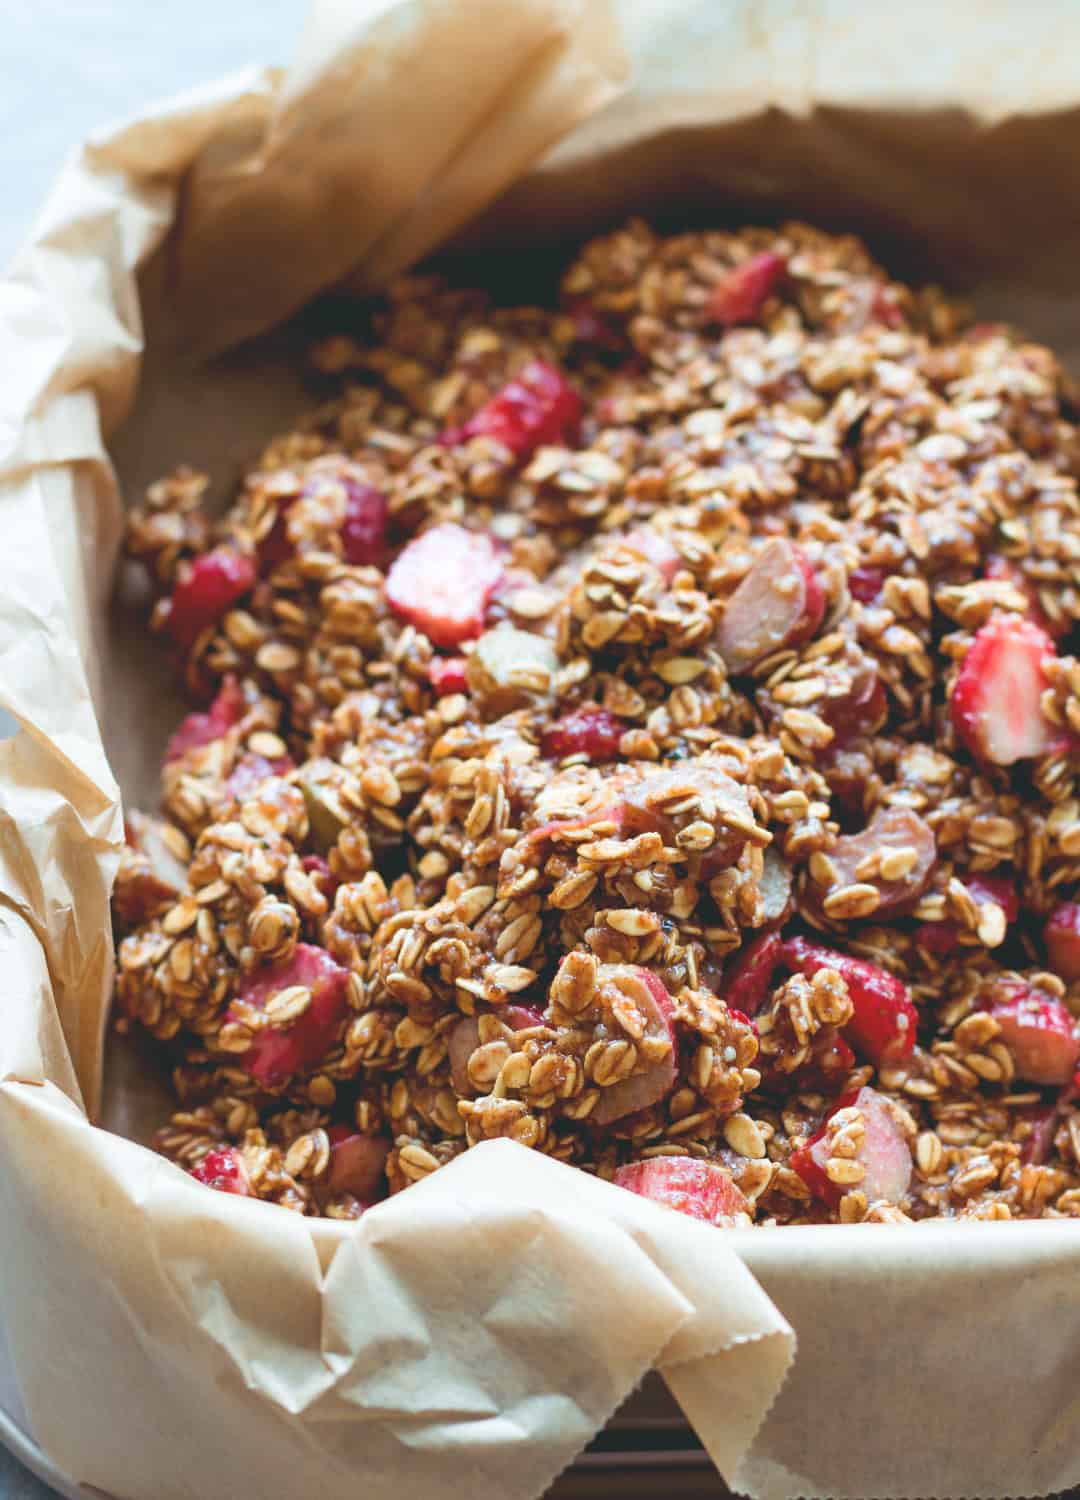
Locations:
357 1163
196 730
1039 1032
1062 936
884 1022
280 1053
742 293
779 603
884 1154
465 1038
641 1090
442 581
699 1189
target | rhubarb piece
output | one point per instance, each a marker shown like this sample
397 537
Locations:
357 1163
883 1025
866 584
593 328
749 978
657 1046
699 1189
883 1155
943 938
224 1170
743 292
465 1038
539 407
363 531
321 873
860 711
589 730
441 583
447 675
251 770
279 1053
1039 1032
896 853
652 804
655 548
1062 936
206 589
197 730
779 603
996 708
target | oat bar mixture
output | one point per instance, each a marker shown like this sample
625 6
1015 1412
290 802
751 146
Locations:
645 729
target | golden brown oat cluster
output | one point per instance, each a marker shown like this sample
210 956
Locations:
645 729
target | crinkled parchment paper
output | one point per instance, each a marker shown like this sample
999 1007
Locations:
472 1334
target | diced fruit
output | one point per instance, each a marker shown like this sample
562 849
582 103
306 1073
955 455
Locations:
1038 1031
465 1038
743 292
883 308
509 667
206 589
442 580
150 876
655 548
224 713
225 1171
908 853
860 711
363 532
646 806
779 603
327 816
321 873
657 1080
996 708
1062 935
1042 1120
749 979
866 584
279 1053
941 938
1006 570
884 1022
884 1154
699 1189
250 770
539 407
828 1065
447 675
592 327
357 1163
589 730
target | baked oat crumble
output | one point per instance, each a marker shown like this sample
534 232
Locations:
644 729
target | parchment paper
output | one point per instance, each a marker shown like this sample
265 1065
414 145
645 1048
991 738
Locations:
472 1334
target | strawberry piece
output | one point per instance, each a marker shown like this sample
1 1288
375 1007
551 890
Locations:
1039 1032
225 1171
700 1189
996 710
589 730
280 1053
866 584
742 293
860 711
363 532
1010 572
657 1080
539 407
447 675
321 873
749 976
465 1038
779 603
828 1065
357 1163
655 548
884 1154
441 583
884 1022
224 713
206 589
891 829
942 938
252 770
1062 937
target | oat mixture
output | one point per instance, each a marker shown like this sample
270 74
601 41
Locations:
644 729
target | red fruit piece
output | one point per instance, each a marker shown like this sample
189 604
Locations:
884 1154
589 730
1038 1031
1010 572
363 532
1062 936
883 309
699 1189
280 1053
742 293
224 713
646 1088
1042 1120
539 406
465 1038
891 831
251 770
828 1065
592 327
860 711
749 977
441 583
643 807
321 873
206 589
866 584
996 710
779 603
883 1025
941 938
655 548
225 1171
447 675
357 1163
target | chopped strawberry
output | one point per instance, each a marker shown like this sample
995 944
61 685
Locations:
224 713
540 406
749 978
1011 572
891 831
1039 1032
866 584
657 1080
655 548
743 292
363 532
251 770
884 1154
942 938
779 603
465 1038
316 866
206 589
357 1163
1062 937
884 1022
224 1170
589 730
860 711
828 1065
442 580
700 1189
447 675
996 708
279 1053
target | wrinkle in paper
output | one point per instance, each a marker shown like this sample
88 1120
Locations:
473 1333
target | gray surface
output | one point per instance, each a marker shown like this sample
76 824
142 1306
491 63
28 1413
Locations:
70 66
